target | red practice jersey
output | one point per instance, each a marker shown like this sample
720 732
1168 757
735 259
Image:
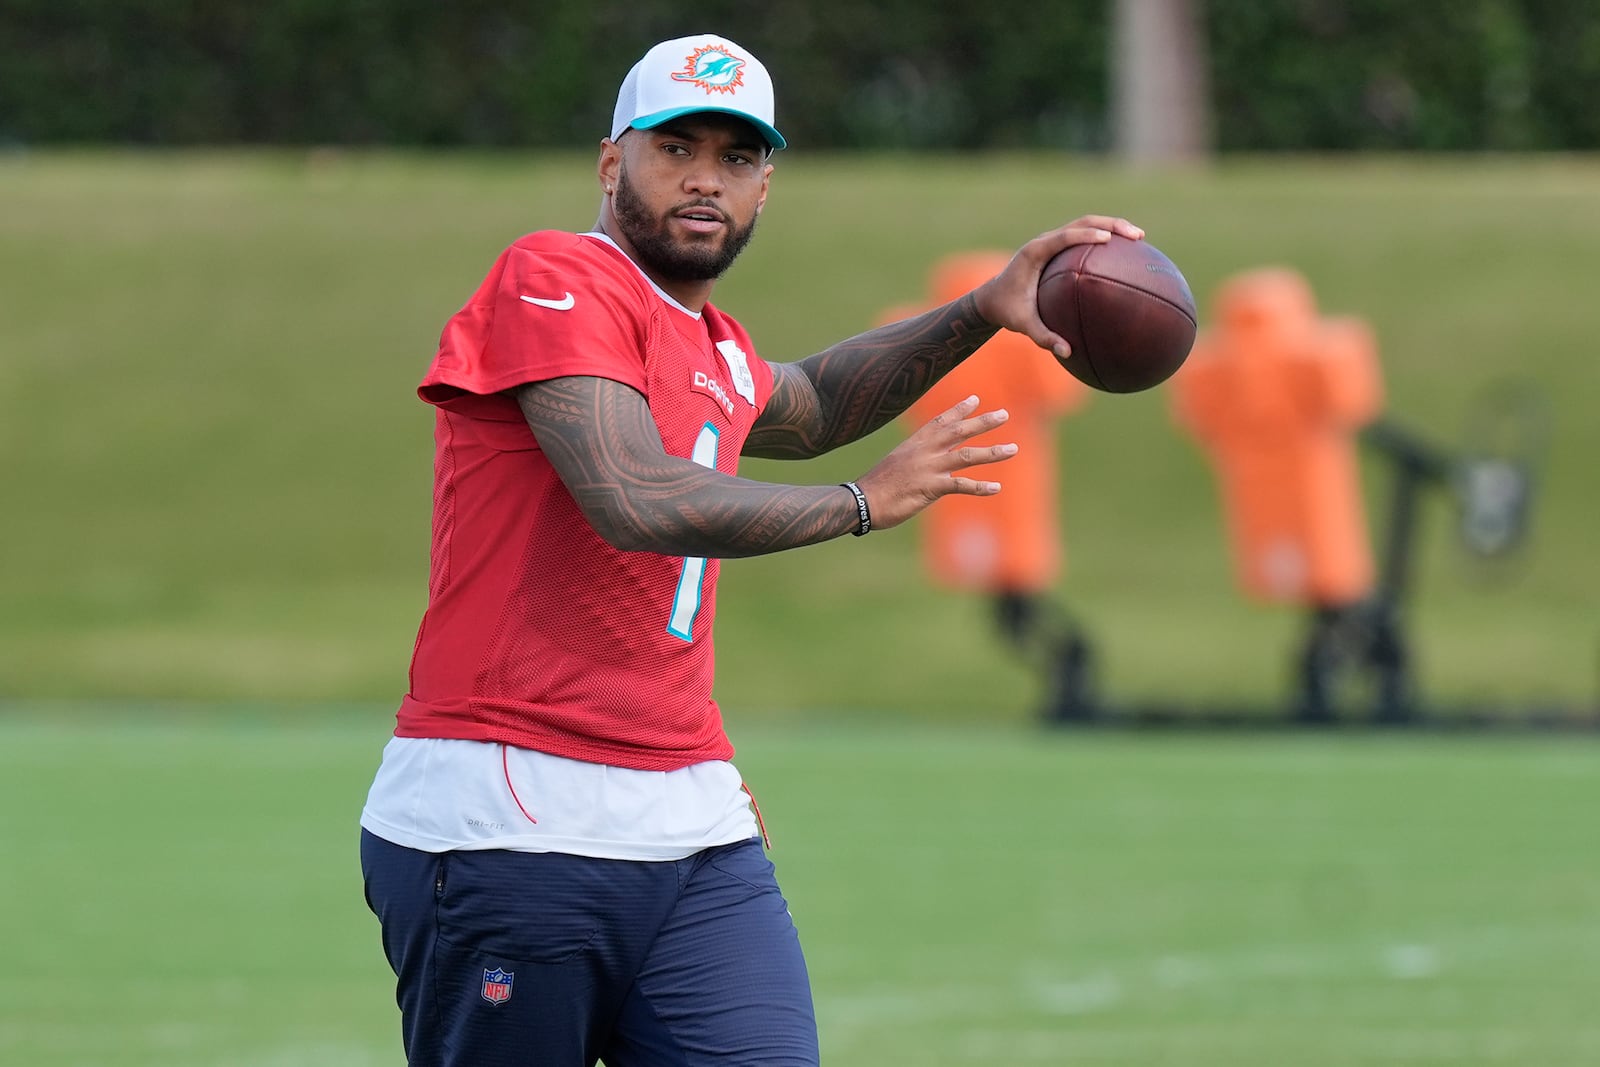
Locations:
539 634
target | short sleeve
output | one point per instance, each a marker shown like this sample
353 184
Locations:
552 306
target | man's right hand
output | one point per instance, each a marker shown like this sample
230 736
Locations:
1010 300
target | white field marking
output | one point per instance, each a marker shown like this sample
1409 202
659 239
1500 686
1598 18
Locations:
1103 986
1411 961
871 1008
1179 972
1094 993
1414 1046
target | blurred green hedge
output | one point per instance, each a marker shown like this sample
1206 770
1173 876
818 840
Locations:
1302 75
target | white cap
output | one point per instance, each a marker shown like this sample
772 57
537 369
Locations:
694 74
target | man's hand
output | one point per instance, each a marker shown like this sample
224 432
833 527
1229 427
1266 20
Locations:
1010 299
923 467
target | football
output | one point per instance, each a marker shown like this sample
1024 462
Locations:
1125 309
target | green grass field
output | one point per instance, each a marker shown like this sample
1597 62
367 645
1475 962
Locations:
219 471
215 553
181 889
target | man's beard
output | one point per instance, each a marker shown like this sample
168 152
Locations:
670 259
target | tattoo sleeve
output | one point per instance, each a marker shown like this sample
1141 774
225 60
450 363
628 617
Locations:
603 442
851 389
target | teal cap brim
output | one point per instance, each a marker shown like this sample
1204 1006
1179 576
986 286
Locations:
650 122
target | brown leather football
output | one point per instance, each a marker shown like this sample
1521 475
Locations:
1125 309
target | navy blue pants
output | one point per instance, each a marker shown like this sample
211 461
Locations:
519 959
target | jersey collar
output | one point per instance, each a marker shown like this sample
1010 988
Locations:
662 293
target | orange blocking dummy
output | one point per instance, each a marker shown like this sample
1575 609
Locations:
1008 543
1275 395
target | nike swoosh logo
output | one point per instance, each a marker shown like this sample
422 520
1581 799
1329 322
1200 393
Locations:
564 304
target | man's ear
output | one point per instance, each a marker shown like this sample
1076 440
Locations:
609 165
766 187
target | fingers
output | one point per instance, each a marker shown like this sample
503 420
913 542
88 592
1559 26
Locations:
1050 341
926 465
960 410
1098 228
954 425
958 424
1010 299
1085 230
971 487
1112 224
962 458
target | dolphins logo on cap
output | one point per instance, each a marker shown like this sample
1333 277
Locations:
714 68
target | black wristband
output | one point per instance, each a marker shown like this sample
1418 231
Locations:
862 514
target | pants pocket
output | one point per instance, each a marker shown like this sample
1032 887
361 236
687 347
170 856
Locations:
514 905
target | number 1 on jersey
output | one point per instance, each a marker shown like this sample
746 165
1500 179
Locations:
686 601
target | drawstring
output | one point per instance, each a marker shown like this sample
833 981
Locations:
505 765
760 822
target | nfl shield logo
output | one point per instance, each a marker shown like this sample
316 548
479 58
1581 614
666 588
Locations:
497 985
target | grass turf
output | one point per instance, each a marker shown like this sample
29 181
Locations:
181 889
222 471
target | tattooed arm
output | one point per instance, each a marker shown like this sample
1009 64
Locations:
600 436
847 391
603 442
858 385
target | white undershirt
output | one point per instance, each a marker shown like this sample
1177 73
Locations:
439 794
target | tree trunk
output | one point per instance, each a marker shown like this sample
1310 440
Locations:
1160 92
